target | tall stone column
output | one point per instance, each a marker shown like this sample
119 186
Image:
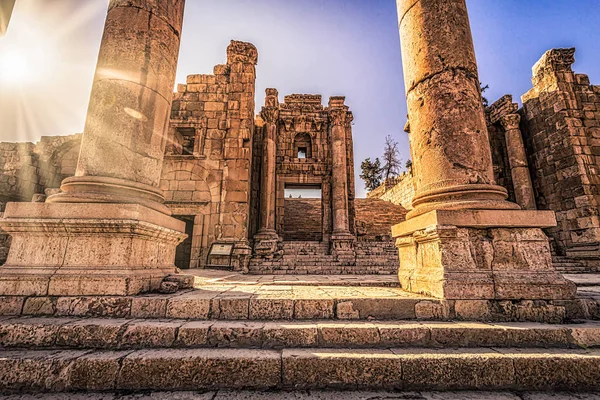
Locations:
266 239
452 161
342 241
517 159
108 233
463 240
124 139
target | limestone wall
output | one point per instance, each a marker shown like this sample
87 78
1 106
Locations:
303 219
400 190
374 219
561 127
208 156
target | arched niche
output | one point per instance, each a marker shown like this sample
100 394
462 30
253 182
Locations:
303 145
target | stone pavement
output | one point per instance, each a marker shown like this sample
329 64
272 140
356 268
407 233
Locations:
311 395
212 276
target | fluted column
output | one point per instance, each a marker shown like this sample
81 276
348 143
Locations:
452 162
125 131
339 178
517 158
270 114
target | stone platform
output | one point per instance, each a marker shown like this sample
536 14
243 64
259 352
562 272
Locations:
226 334
222 295
213 276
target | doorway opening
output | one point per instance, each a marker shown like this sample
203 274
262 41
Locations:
183 252
303 213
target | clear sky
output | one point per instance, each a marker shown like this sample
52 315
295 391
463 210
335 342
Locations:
331 47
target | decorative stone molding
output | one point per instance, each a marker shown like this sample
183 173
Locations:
555 60
338 117
270 115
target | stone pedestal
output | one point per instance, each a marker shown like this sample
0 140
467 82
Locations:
480 255
87 249
108 232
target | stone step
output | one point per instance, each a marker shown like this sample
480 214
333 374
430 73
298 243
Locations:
202 369
125 334
293 302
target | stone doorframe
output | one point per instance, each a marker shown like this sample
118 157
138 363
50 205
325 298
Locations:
325 185
201 230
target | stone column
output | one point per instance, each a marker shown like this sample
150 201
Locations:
451 156
108 233
266 239
517 159
124 137
339 179
463 240
342 241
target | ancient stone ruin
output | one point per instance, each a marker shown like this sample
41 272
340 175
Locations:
225 174
315 295
544 155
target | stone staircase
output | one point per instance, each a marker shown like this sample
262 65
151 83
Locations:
312 257
70 354
567 265
288 337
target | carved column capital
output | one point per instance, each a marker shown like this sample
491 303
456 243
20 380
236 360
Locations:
270 114
510 121
338 117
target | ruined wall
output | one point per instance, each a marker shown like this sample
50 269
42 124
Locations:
303 219
400 191
561 126
207 165
374 218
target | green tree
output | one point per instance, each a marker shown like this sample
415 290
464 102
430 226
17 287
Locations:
371 173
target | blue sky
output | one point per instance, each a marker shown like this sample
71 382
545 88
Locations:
331 47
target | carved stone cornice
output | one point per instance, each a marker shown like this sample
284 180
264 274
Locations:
510 121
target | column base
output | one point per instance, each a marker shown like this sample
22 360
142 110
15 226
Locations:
480 254
87 249
267 244
342 247
101 189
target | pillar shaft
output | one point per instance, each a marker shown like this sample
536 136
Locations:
125 131
339 179
452 162
518 162
267 184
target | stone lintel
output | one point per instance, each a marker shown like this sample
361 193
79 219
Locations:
477 219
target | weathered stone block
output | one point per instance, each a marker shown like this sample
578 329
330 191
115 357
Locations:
326 368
